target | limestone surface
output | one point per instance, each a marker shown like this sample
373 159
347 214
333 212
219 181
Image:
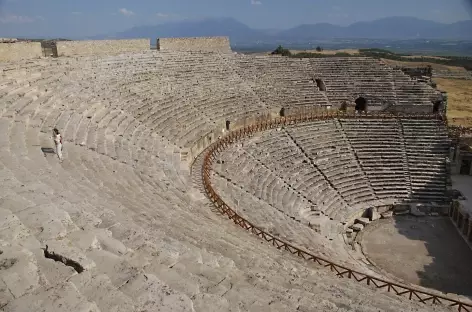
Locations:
122 224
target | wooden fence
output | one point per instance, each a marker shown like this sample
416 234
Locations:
339 270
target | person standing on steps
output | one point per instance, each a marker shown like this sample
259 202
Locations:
58 141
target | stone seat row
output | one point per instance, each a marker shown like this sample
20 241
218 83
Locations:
116 202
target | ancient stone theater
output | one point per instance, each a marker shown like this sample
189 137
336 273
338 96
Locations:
196 178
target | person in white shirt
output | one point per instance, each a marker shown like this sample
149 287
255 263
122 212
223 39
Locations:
58 141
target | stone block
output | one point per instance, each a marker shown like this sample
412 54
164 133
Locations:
19 271
386 215
64 251
357 227
99 288
416 212
402 213
20 51
60 298
101 47
373 214
363 221
153 294
215 44
47 221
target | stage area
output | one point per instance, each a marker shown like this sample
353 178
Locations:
425 251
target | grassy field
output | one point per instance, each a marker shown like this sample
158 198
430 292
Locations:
328 52
356 52
459 100
420 56
423 64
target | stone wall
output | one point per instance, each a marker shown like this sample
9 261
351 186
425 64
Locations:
417 72
101 47
10 52
188 156
413 109
214 44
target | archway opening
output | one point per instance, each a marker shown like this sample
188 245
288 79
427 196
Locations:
227 124
436 106
320 84
282 112
466 165
361 104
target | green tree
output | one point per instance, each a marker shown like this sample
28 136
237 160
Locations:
281 51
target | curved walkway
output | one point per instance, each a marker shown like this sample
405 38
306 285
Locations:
341 271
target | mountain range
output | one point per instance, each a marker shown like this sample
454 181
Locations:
392 28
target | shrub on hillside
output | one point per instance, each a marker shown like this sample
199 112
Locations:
281 51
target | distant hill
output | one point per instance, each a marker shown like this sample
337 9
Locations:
237 31
386 28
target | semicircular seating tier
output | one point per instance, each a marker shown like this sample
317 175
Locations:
119 226
334 170
348 78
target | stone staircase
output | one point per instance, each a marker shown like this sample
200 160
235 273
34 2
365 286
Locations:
114 227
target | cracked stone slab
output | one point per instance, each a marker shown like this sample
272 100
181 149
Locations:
61 298
100 289
18 270
64 248
89 238
116 267
15 232
47 221
154 295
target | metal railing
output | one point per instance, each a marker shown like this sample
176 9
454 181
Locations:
339 270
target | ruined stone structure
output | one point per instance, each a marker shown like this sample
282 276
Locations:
460 211
101 47
417 72
214 44
16 51
461 151
124 223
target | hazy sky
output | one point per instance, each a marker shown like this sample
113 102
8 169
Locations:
91 17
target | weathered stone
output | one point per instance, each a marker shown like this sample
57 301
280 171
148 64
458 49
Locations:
152 294
13 231
101 290
117 216
402 213
66 251
101 47
18 270
417 213
357 227
61 298
19 51
363 221
373 214
387 214
215 44
47 221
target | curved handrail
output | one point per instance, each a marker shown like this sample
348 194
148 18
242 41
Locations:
339 270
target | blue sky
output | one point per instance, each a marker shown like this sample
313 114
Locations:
91 17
